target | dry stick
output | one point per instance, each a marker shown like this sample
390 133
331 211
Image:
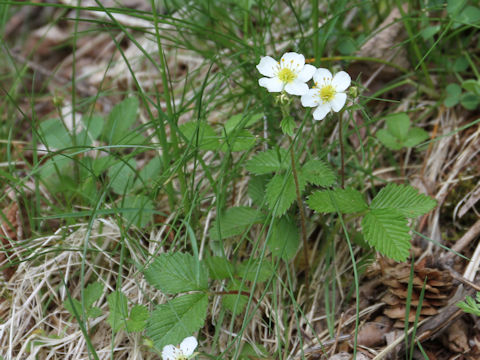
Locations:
302 216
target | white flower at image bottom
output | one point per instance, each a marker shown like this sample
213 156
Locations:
290 74
328 93
184 352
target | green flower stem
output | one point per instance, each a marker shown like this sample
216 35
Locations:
302 214
342 150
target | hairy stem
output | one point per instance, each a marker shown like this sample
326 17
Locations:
342 150
302 214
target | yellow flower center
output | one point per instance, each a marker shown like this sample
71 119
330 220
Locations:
327 93
286 75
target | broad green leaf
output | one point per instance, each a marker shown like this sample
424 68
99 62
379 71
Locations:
453 90
451 101
472 86
318 172
56 171
469 101
137 210
148 174
119 121
256 188
137 320
387 231
403 198
281 193
346 201
235 303
219 267
200 134
470 15
284 239
461 64
248 270
56 136
117 305
239 140
389 140
122 176
92 293
454 7
415 137
242 121
234 222
288 125
177 272
172 322
398 125
269 161
430 31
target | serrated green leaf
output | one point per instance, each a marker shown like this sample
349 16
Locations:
137 210
248 270
219 267
94 312
318 172
288 125
403 198
284 239
234 222
238 140
200 134
256 188
176 272
137 320
170 323
347 201
415 137
389 140
398 125
267 162
122 176
119 121
117 305
280 192
241 121
387 231
235 303
92 293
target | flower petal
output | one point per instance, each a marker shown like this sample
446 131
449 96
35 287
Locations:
268 66
296 87
188 345
341 81
321 111
322 76
170 352
338 101
293 61
310 99
272 84
306 73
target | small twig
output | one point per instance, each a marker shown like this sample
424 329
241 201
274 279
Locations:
302 216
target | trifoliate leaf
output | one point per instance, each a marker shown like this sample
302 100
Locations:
318 172
269 161
119 121
177 272
403 198
284 239
200 134
137 320
117 305
170 323
92 293
281 193
219 267
387 231
234 222
346 201
258 270
235 303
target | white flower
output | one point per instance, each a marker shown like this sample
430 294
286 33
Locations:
328 92
184 352
290 74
